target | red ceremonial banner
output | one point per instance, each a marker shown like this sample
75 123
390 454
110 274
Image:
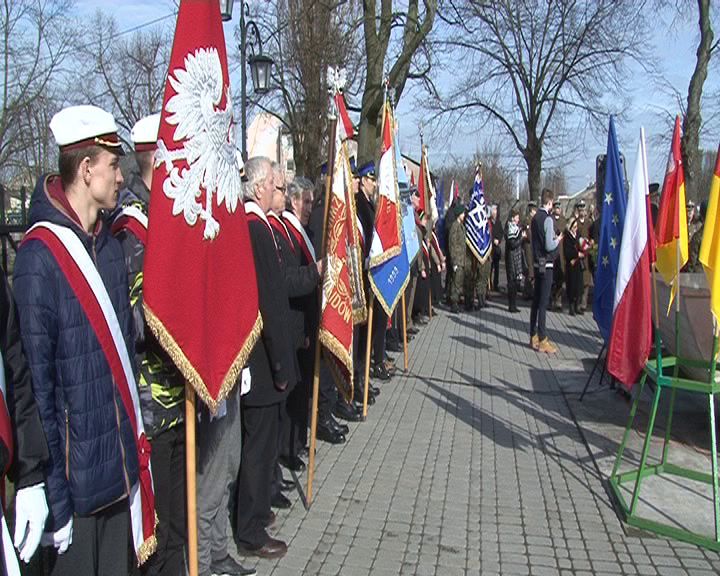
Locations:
336 317
200 292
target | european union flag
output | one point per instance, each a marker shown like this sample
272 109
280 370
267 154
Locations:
611 228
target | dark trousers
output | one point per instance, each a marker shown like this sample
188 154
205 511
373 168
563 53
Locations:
254 487
512 287
379 328
495 271
99 545
168 467
541 299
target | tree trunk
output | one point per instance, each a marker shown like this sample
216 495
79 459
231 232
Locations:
692 159
533 159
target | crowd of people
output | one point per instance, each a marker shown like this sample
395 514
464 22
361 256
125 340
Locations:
88 381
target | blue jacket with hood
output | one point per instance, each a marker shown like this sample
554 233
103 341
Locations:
93 458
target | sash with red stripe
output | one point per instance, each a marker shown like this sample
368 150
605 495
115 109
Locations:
297 230
11 565
134 220
87 285
280 228
254 212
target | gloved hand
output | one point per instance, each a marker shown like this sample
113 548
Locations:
31 511
61 539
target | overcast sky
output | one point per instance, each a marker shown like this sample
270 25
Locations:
674 49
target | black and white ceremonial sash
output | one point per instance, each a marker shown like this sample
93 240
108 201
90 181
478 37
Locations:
87 285
301 236
134 220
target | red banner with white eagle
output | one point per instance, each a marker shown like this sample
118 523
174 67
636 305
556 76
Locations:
200 293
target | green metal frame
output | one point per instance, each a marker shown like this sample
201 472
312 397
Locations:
657 370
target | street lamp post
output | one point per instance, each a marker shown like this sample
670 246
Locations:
260 64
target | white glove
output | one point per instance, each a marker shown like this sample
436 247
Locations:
31 511
61 539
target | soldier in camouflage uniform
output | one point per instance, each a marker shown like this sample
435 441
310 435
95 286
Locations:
456 244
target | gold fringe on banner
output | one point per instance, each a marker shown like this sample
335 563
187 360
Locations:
188 370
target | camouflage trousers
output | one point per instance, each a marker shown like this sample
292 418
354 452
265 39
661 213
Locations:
457 284
476 280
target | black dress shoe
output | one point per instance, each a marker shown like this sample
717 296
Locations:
342 428
379 372
271 549
304 452
327 434
279 500
346 411
228 567
412 330
375 391
287 485
292 463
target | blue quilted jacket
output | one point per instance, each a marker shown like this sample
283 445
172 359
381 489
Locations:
93 459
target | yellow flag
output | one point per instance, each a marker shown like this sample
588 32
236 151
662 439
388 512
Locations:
671 230
710 247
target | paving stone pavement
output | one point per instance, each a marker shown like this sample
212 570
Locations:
473 463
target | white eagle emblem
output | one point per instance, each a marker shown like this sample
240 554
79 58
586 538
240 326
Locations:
208 137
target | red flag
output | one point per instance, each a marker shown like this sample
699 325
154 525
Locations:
336 316
671 229
423 190
200 294
344 126
386 240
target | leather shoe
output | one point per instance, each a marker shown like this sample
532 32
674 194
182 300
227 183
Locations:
380 372
342 428
270 520
327 434
228 567
287 485
292 463
279 500
271 549
346 411
412 330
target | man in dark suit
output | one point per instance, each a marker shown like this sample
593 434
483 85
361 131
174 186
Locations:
272 368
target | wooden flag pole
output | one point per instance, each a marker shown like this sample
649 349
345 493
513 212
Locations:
313 423
368 347
405 341
316 371
429 294
190 473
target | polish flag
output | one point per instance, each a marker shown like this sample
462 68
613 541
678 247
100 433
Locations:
631 334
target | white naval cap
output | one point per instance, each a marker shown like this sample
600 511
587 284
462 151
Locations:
144 134
81 126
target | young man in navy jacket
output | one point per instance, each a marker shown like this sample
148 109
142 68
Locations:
93 457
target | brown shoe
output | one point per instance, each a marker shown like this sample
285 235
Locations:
271 549
535 342
270 522
547 346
